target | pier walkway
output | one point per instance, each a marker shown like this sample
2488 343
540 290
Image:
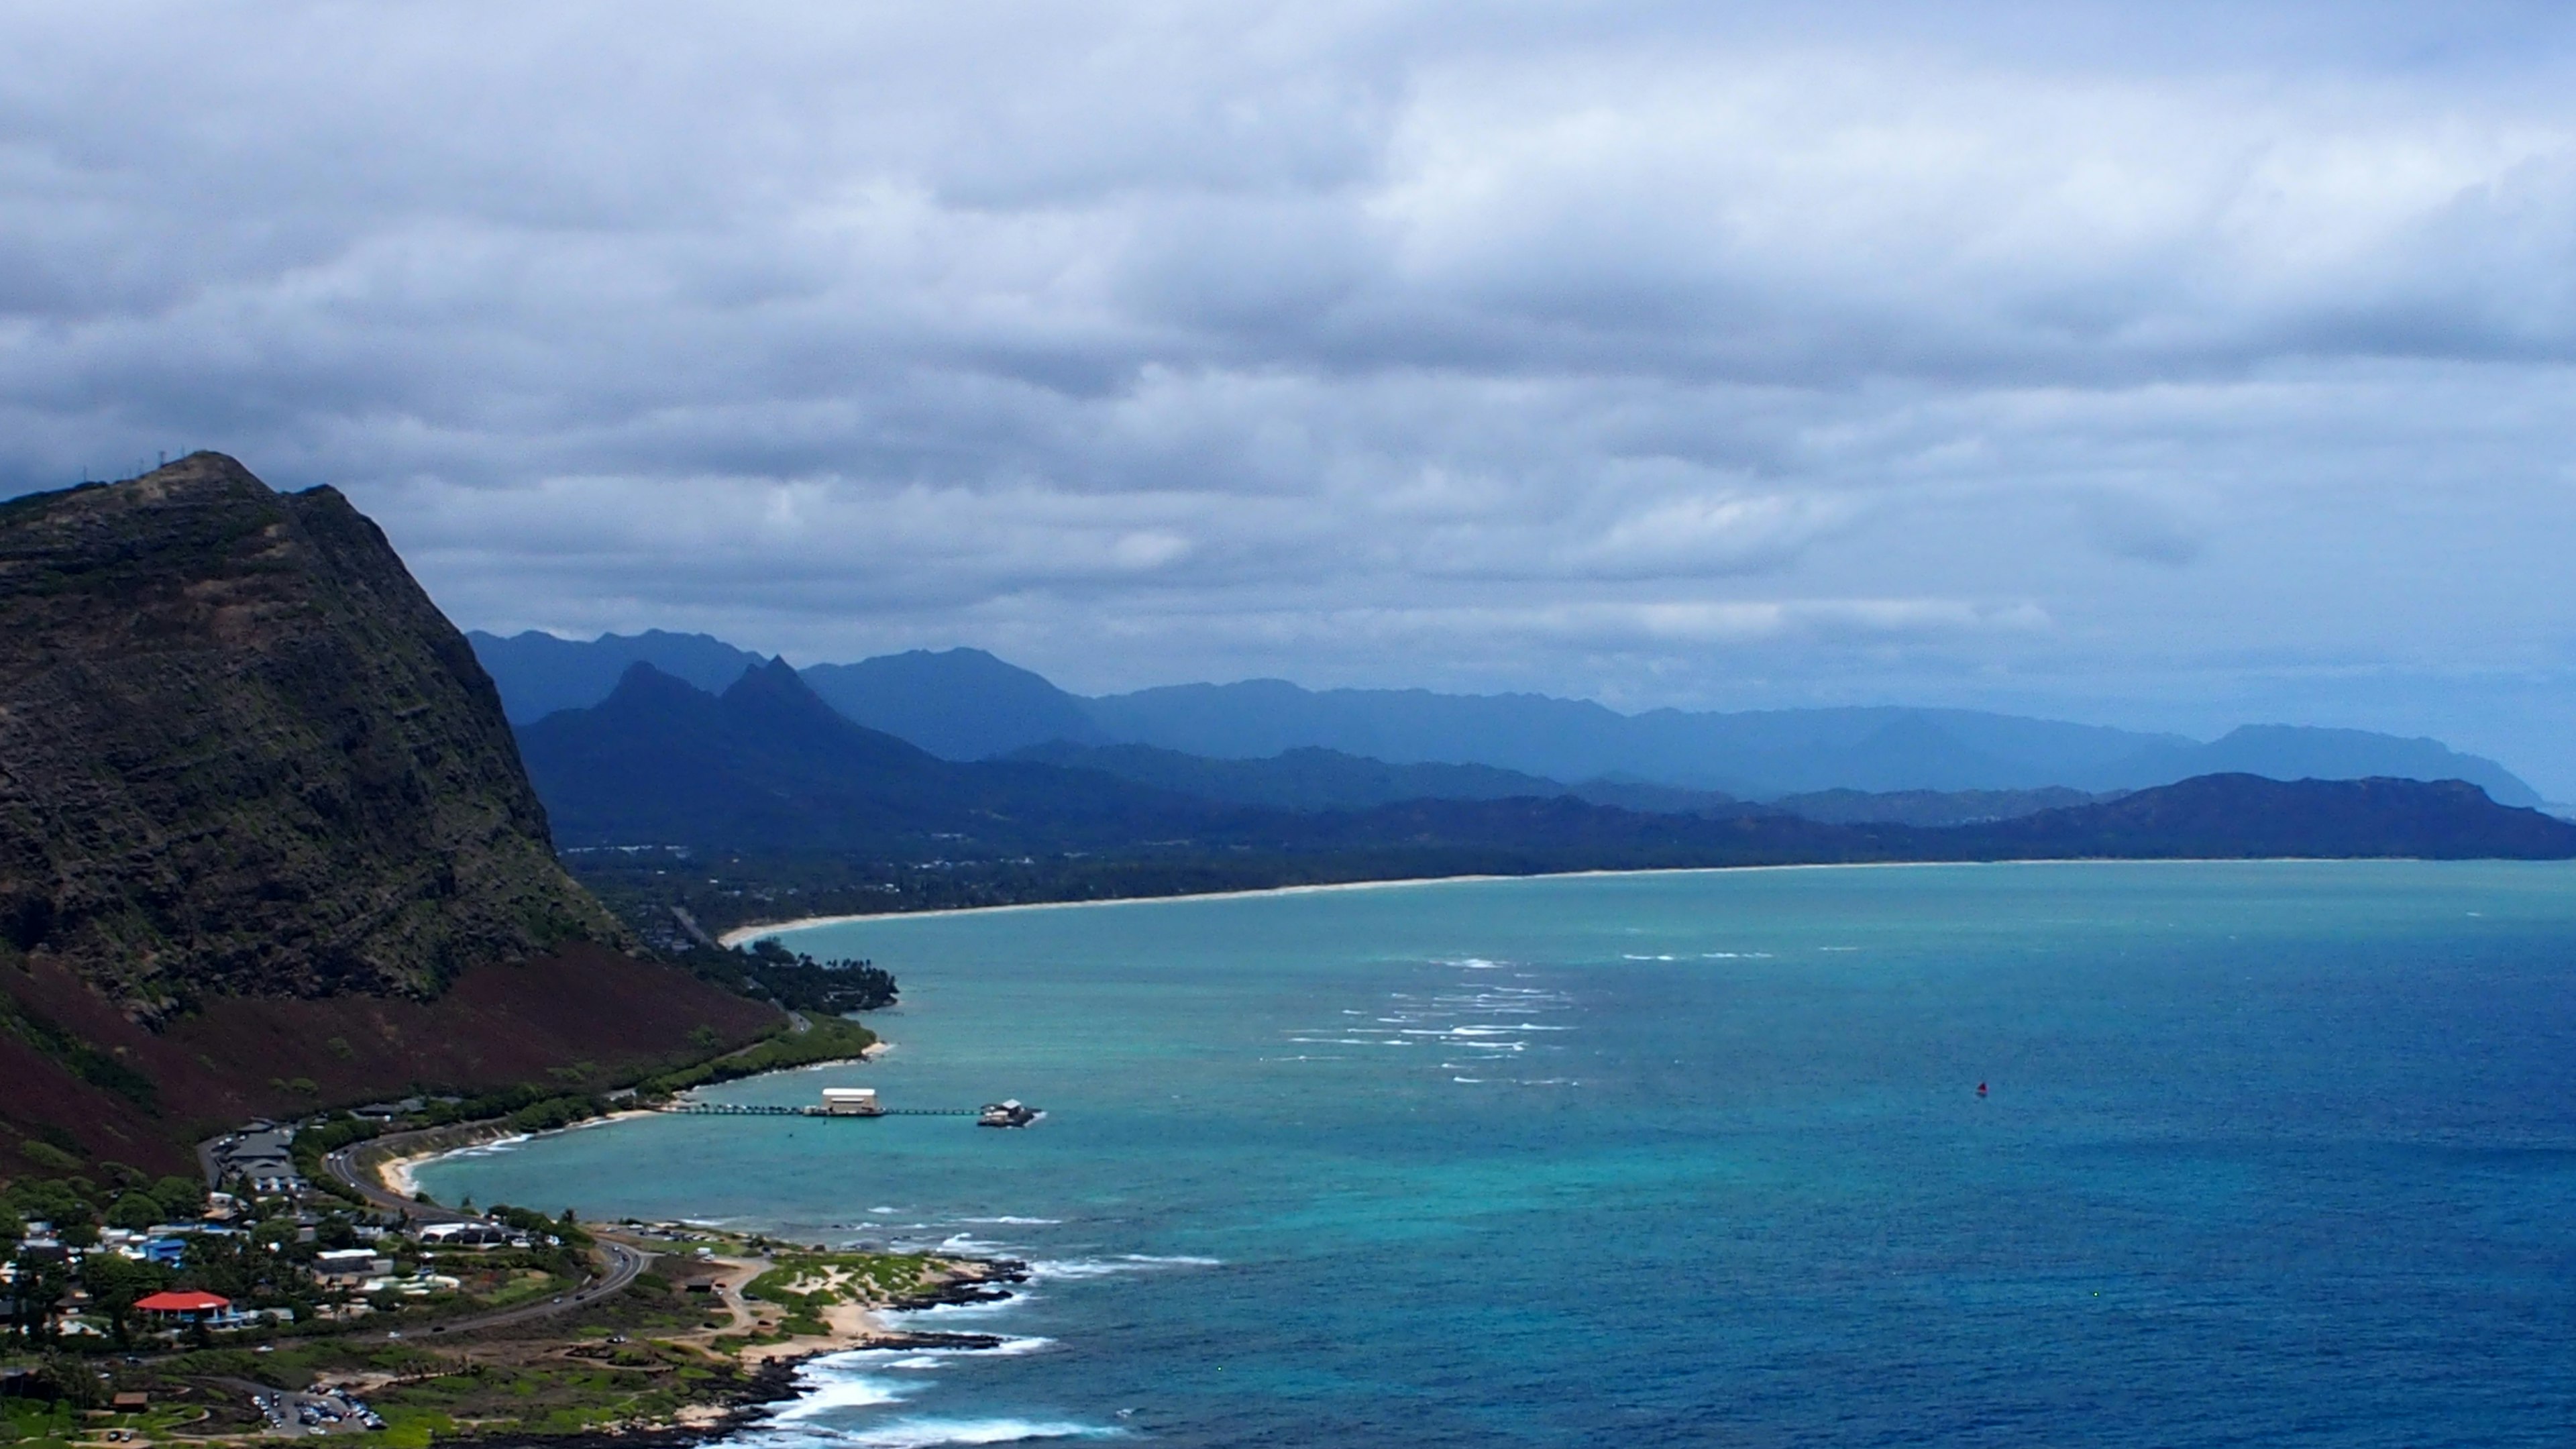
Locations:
749 1109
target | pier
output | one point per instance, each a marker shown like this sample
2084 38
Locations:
735 1109
862 1102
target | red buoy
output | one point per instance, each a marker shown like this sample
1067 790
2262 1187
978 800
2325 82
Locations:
1981 1089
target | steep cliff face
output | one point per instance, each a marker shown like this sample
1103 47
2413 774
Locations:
242 754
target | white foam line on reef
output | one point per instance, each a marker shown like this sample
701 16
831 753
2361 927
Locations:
740 934
923 1433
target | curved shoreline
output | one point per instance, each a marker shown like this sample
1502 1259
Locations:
740 934
395 1171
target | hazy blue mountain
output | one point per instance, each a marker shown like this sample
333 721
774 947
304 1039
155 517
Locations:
964 704
2238 816
1558 739
1932 808
1749 754
1320 779
1759 754
2291 752
959 704
767 764
539 673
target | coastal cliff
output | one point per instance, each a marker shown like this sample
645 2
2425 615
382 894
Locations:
264 833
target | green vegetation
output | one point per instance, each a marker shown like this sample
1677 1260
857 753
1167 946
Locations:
438 1398
566 1227
826 1039
85 1061
68 1403
800 983
807 1283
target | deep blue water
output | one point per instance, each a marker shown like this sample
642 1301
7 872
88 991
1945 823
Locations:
2274 1154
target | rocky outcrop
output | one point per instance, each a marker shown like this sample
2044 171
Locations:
242 754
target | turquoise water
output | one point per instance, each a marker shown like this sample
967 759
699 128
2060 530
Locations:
2277 1154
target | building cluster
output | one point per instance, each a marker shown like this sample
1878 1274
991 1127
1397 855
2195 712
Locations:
260 1159
263 1197
164 1244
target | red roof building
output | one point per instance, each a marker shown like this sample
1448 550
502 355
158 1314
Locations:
185 1306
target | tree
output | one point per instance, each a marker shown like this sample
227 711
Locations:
115 1282
134 1212
48 1200
79 1232
13 1228
36 1295
181 1198
72 1381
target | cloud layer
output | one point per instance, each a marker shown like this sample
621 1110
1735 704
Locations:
2165 366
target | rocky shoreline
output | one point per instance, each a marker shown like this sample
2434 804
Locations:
770 1382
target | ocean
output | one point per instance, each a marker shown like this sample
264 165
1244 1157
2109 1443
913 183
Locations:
2074 1154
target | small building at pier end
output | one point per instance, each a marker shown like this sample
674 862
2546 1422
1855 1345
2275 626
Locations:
851 1102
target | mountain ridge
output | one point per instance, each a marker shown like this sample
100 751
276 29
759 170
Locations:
266 843
770 766
308 783
965 704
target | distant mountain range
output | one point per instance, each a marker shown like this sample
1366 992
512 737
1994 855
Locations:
964 704
769 766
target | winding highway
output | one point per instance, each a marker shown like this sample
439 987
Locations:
614 1264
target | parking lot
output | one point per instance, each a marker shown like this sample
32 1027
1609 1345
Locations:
292 1412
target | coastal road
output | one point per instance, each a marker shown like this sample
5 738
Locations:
622 1262
344 1169
618 1264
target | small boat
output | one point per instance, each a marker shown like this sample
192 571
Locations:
1006 1114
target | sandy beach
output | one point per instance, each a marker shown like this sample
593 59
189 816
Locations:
396 1172
740 934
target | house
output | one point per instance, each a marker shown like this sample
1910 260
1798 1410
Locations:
261 1156
464 1235
350 1265
184 1306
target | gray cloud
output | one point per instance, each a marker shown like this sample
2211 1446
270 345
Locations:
2168 365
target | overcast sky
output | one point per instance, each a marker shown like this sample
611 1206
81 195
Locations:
2158 365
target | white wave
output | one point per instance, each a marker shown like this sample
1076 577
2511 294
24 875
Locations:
831 1389
884 1210
923 1433
980 1308
1466 1079
968 1243
1012 1346
1123 1263
1033 1222
1472 963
